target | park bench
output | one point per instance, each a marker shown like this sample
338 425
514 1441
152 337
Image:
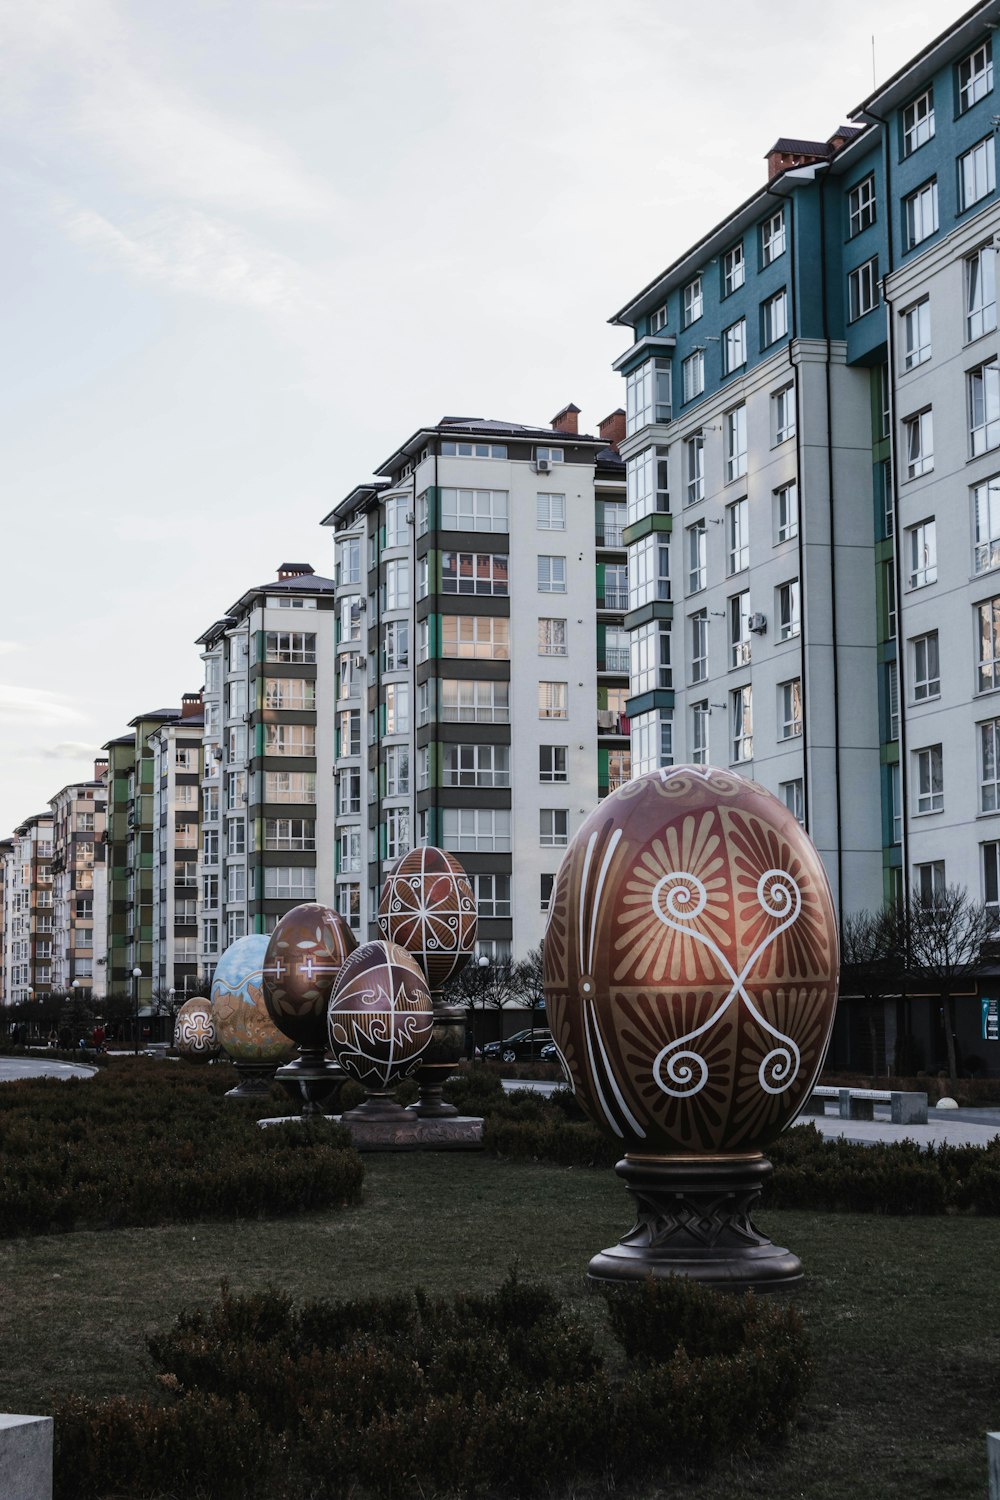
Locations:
859 1104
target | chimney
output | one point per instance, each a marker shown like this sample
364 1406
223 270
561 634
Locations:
191 704
612 429
100 767
565 420
294 570
789 152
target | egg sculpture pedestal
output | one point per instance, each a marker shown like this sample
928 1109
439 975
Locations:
428 907
380 1023
305 953
245 1030
691 969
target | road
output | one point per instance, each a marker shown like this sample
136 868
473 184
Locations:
40 1066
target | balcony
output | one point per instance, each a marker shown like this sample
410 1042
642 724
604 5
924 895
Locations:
609 535
613 598
616 659
609 722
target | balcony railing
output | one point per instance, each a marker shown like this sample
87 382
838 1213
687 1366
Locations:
616 659
609 535
608 722
613 599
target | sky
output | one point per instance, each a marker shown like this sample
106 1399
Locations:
249 246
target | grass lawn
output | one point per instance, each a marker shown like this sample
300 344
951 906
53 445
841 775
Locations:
904 1314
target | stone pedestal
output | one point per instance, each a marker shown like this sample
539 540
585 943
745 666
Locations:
25 1457
312 1081
255 1081
693 1219
443 1052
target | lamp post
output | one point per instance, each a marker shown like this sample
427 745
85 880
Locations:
482 963
136 976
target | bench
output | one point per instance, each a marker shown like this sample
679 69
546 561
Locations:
859 1104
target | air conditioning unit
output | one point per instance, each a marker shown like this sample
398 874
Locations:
996 241
542 465
757 623
410 518
358 662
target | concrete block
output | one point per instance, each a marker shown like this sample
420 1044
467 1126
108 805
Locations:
855 1109
908 1109
993 1459
814 1106
25 1457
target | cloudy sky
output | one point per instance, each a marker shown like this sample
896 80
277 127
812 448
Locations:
250 245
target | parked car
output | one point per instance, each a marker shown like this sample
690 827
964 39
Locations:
519 1047
550 1053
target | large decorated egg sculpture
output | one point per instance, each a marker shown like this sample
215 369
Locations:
305 953
380 1015
428 907
195 1037
246 1032
691 964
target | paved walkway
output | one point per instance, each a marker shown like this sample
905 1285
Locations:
40 1066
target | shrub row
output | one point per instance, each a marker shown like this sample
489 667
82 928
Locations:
393 1396
140 1144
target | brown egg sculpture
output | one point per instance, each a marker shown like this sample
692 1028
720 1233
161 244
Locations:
305 953
428 907
691 968
380 1015
195 1037
246 1032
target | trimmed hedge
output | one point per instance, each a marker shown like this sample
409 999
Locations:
141 1144
392 1396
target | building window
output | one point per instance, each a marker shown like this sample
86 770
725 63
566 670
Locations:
649 571
550 511
290 833
930 779
348 793
469 702
475 765
790 708
647 395
735 434
289 646
551 575
786 512
236 883
861 206
693 374
650 658
397 708
737 536
920 214
290 739
693 302
290 693
980 292
930 884
422 571
474 573
921 554
975 76
553 699
549 455
396 645
552 763
699 646
986 519
862 290
984 408
475 637
616 650
976 173
397 771
647 489
473 450
615 587
397 584
917 334
545 885
699 734
783 414
652 743
297 884
793 796
397 832
551 637
396 510
926 667
694 467
918 122
772 237
989 766
422 513
739 629
236 837
476 829
348 851
492 896
788 610
989 645
658 319
741 719
734 346
991 877
349 561
918 442
474 510
734 270
774 318
290 786
896 802
553 827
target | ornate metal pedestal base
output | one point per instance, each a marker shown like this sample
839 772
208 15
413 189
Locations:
694 1220
380 1124
381 1106
255 1080
312 1081
443 1052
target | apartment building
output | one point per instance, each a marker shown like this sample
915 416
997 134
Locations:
481 660
813 404
266 783
28 911
177 773
6 881
78 856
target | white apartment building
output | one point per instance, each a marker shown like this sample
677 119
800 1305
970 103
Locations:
29 937
177 775
78 865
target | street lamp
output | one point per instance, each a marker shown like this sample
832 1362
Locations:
136 976
483 964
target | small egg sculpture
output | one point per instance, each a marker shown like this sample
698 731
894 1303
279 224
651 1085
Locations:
196 1039
428 907
380 1021
691 967
305 953
246 1032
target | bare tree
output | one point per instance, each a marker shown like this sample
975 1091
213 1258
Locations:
527 981
873 957
946 936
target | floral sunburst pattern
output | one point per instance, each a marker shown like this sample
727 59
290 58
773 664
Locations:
798 1010
428 907
770 878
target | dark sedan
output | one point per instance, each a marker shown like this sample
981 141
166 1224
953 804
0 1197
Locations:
523 1045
